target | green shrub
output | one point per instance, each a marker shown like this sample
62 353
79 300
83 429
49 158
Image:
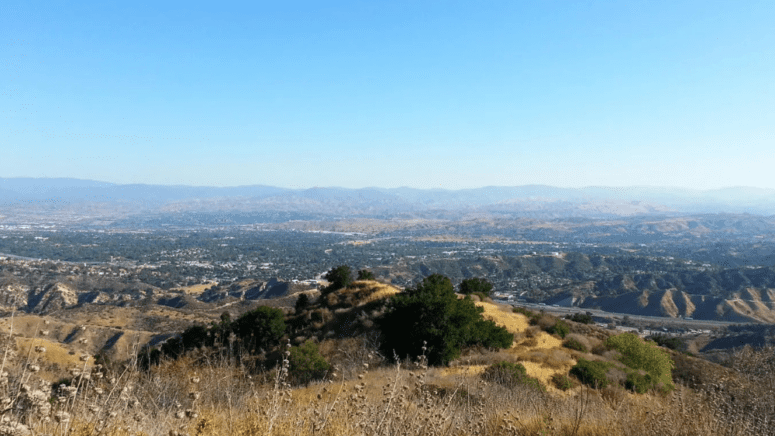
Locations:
523 311
511 375
560 328
491 335
563 382
640 355
639 382
365 274
581 318
667 341
306 363
574 344
591 372
261 328
532 317
482 296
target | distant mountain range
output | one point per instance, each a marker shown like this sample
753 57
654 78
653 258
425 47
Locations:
528 200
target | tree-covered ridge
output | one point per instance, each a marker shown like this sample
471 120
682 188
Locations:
256 331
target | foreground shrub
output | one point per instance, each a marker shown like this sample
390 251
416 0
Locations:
574 344
255 331
591 372
259 329
560 328
563 382
640 355
306 363
511 375
640 382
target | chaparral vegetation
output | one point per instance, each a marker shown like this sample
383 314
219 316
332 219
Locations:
371 359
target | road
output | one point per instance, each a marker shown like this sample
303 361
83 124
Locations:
564 310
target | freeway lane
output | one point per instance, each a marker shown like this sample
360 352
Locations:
564 310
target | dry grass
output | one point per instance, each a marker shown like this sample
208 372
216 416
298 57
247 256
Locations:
366 291
56 354
194 289
202 395
502 315
220 398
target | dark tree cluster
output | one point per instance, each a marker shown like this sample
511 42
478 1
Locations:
476 286
580 318
339 277
429 319
670 342
253 332
365 274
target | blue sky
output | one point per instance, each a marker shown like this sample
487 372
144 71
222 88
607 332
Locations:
423 94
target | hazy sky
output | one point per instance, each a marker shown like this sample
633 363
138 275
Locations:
367 93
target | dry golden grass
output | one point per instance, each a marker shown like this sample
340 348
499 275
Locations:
204 395
463 370
24 324
502 315
78 337
518 324
216 398
540 353
366 291
56 353
194 289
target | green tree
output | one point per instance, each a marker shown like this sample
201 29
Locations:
475 286
511 375
194 336
260 328
306 363
428 318
592 372
339 277
645 356
365 274
302 302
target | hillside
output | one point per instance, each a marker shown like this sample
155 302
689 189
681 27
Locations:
632 285
363 391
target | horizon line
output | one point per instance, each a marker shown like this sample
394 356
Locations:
179 185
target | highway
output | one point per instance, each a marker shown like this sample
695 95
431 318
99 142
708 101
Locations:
564 310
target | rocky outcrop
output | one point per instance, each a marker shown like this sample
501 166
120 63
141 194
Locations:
13 297
56 296
274 288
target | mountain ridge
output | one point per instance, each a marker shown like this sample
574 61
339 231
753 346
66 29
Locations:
374 201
